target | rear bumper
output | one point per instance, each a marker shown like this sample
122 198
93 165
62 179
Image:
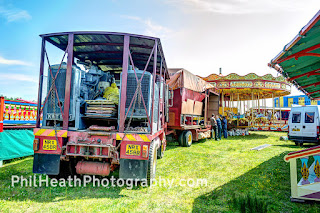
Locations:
301 139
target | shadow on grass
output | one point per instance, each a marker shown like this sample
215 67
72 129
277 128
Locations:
252 136
16 159
174 144
269 183
49 194
292 145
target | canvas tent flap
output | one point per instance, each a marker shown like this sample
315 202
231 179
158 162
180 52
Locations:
181 78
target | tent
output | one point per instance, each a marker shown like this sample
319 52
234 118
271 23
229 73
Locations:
299 61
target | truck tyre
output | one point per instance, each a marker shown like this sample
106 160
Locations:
187 139
152 163
299 144
180 138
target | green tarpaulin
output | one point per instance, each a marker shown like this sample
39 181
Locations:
16 143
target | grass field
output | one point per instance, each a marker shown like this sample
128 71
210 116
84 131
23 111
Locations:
232 170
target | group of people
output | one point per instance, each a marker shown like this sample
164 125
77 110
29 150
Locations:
218 126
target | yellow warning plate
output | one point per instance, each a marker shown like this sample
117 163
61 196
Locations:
49 144
132 149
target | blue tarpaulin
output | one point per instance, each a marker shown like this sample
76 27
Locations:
16 143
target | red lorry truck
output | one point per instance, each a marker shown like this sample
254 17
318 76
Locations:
194 101
83 131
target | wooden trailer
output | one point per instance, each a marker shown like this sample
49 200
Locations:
193 102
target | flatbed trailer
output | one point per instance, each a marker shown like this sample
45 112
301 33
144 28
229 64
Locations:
193 102
82 134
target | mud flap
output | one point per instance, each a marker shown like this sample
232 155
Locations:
46 164
133 169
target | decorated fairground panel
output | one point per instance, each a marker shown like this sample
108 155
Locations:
305 174
19 113
243 100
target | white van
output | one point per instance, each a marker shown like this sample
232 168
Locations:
304 124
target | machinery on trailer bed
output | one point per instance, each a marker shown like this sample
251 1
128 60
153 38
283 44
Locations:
103 106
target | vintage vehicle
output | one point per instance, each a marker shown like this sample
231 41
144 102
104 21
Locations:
104 106
194 101
304 124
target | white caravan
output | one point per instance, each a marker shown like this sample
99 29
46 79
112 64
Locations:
304 124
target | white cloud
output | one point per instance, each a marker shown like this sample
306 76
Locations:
12 15
243 6
18 77
13 62
150 27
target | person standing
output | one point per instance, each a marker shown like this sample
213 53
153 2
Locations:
225 127
214 127
219 127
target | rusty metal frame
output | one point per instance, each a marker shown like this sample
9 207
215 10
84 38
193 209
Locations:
44 55
139 81
65 115
125 62
43 46
155 60
160 100
54 79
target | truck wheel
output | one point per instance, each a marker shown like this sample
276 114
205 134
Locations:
187 139
180 138
152 162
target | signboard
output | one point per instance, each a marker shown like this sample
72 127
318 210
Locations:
243 84
272 85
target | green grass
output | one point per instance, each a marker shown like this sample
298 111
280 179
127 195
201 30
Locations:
235 175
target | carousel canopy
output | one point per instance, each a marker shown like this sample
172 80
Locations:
299 60
251 84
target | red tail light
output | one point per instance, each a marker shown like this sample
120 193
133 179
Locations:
288 129
145 151
318 130
36 144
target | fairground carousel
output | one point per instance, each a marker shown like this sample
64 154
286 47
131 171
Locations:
243 100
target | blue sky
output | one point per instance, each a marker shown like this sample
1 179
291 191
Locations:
240 36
